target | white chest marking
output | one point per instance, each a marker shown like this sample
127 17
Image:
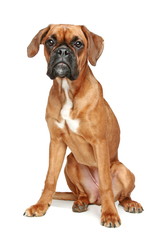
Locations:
73 124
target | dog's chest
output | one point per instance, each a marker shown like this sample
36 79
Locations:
73 124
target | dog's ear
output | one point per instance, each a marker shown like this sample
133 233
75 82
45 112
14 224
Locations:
95 45
33 47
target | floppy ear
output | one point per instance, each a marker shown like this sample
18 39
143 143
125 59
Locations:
95 45
33 47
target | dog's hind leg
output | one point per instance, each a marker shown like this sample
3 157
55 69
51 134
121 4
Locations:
81 183
123 183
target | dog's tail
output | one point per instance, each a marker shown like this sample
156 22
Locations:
64 196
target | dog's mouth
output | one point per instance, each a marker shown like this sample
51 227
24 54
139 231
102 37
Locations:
60 69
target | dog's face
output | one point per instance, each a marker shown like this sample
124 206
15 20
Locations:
67 49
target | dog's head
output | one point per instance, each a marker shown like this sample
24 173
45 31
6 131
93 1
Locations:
67 49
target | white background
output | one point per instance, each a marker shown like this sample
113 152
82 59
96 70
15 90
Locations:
129 71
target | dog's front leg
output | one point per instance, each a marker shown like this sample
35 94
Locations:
109 216
56 157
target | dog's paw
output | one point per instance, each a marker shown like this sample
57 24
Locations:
36 210
131 206
79 206
110 220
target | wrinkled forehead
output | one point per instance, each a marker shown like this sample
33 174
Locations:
66 33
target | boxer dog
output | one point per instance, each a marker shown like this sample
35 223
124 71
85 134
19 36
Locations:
78 117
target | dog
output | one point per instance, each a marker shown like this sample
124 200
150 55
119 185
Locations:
78 117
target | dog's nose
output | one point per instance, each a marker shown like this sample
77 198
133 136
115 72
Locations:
63 52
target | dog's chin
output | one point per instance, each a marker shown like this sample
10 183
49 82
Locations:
61 70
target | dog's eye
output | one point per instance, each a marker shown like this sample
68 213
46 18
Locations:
78 44
50 42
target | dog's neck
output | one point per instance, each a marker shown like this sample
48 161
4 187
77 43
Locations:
78 86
